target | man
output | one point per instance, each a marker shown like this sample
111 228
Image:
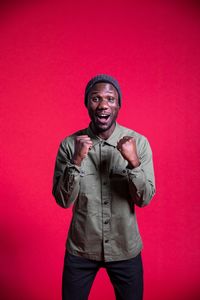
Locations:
103 171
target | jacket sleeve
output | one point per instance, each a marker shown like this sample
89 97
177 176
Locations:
66 178
141 179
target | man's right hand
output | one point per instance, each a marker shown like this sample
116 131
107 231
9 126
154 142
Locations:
82 145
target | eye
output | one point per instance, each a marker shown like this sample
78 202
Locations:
111 99
95 99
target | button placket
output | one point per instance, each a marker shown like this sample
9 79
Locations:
106 209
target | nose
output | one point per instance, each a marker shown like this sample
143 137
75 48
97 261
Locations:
103 104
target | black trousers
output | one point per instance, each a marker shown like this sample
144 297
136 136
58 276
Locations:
79 273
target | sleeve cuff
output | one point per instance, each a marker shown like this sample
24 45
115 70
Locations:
72 167
137 176
134 171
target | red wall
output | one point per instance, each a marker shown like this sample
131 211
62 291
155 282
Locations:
49 50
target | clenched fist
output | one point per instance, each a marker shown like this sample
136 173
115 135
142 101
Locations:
82 145
127 148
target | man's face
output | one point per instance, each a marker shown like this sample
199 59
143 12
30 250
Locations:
103 106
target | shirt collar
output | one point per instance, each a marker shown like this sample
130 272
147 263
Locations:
112 140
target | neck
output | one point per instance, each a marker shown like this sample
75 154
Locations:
104 135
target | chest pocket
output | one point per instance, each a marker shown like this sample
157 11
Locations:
118 171
89 191
119 182
88 178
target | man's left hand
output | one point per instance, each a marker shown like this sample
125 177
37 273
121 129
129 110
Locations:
127 148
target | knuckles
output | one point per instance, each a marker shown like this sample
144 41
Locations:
82 143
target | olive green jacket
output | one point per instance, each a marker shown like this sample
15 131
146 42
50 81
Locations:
104 192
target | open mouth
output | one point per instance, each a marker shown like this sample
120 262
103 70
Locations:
102 118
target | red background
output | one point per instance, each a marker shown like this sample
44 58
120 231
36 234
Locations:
49 50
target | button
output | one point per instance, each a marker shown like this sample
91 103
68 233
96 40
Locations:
106 241
124 171
106 222
109 259
104 183
105 202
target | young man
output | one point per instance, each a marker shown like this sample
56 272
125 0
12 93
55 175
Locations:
103 171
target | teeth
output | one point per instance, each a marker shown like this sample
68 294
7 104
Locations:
103 117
